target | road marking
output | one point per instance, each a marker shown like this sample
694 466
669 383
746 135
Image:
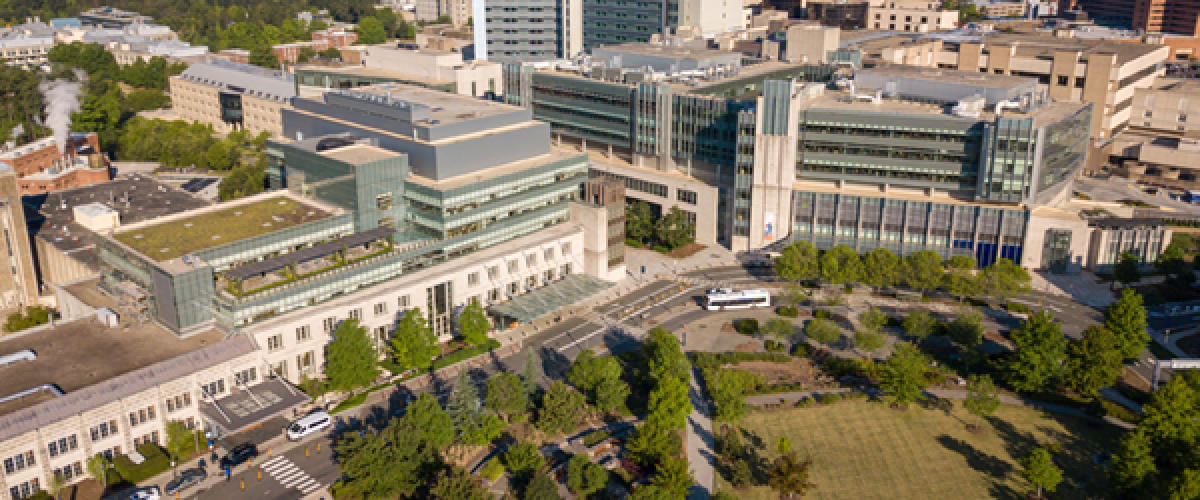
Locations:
634 314
1047 306
568 332
290 476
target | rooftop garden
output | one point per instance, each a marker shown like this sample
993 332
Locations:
172 239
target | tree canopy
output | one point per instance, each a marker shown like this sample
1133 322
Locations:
351 361
798 262
1126 318
903 377
1040 352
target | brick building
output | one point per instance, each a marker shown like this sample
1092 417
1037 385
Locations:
40 168
321 40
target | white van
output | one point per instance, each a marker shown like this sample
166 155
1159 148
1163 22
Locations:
315 422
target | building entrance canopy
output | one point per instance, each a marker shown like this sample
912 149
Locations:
249 406
539 302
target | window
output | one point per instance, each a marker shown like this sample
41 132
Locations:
280 369
686 196
141 416
531 281
1149 114
70 471
246 376
303 333
1182 118
548 255
274 342
304 362
513 266
493 294
178 402
330 324
25 489
19 462
493 272
383 201
566 249
355 313
402 301
1064 80
530 260
214 388
104 430
472 279
548 275
380 308
513 288
63 445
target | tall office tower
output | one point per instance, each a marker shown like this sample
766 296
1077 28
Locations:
18 278
607 22
1179 17
528 30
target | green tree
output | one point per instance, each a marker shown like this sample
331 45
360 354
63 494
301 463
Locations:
674 477
305 54
1171 262
967 330
961 281
98 467
869 341
783 445
664 356
473 324
674 230
181 441
331 53
370 31
918 324
351 361
243 180
670 404
779 328
505 394
982 397
34 316
881 268
101 111
397 460
600 378
523 459
840 265
561 409
903 375
798 262
610 394
1094 361
144 100
264 57
1040 352
585 477
923 270
1170 421
1040 471
872 319
789 475
541 487
413 343
462 409
639 221
823 331
1128 269
457 484
652 444
1127 319
1186 486
1004 280
1133 464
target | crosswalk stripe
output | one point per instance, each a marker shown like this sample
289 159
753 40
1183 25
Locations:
274 461
290 475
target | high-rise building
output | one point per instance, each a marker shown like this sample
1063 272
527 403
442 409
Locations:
528 30
1180 17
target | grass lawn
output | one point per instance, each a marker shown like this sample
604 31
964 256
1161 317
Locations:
865 450
227 226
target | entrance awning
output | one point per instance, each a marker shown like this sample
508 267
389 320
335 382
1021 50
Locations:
541 301
248 407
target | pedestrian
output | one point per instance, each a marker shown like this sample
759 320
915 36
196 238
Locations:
228 474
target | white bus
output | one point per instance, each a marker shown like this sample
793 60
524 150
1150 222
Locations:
724 298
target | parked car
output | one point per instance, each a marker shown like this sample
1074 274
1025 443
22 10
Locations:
311 424
186 479
239 455
147 493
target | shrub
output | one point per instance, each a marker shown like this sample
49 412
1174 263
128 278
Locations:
1017 308
748 327
805 403
461 354
774 346
634 243
594 437
821 314
829 398
855 395
493 469
802 350
156 462
661 249
788 312
848 289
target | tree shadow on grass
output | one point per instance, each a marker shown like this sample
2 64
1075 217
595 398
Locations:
941 404
995 467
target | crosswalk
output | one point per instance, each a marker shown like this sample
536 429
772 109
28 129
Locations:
290 476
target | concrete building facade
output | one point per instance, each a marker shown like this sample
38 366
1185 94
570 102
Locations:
231 96
18 279
920 16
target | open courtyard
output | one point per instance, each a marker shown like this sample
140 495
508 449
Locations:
865 450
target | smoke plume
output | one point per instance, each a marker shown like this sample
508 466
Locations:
62 99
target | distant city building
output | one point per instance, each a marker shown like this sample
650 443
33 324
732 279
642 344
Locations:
42 168
1003 10
110 17
26 51
429 68
231 96
322 40
529 30
919 16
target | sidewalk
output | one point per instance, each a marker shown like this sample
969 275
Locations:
271 447
700 453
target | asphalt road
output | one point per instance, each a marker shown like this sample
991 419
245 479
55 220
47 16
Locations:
286 476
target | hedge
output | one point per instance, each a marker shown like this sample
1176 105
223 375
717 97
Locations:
155 463
1017 308
821 314
802 350
774 346
594 437
713 360
788 311
829 398
493 469
461 354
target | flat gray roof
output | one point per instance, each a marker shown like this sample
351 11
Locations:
242 79
649 49
444 106
357 154
84 359
972 78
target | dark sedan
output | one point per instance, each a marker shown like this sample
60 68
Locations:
186 479
239 455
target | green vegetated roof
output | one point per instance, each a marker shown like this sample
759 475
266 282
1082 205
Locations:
169 240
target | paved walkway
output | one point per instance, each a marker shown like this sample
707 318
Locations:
700 453
944 394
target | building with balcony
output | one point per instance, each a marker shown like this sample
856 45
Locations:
109 17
